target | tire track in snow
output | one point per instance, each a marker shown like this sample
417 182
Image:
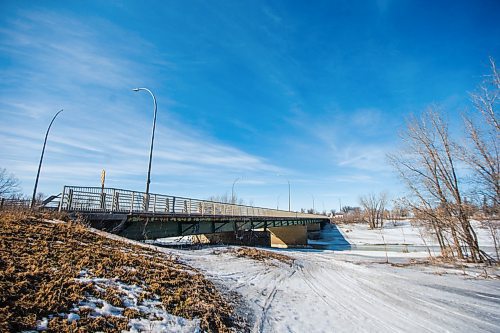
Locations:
339 279
268 302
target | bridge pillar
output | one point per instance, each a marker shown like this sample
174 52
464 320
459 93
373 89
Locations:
288 236
313 231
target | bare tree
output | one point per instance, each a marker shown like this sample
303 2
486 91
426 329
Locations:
481 152
9 184
348 209
374 208
399 209
225 198
428 165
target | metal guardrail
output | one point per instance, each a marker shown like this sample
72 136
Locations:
51 202
113 200
14 203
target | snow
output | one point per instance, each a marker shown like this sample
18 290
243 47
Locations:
402 239
158 320
399 233
72 317
173 324
324 292
177 241
42 324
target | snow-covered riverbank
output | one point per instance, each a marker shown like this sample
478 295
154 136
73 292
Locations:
352 289
400 239
328 292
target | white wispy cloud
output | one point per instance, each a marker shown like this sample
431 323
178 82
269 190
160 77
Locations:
88 69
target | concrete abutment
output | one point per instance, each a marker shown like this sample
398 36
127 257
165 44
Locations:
283 237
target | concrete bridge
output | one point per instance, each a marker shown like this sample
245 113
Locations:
139 216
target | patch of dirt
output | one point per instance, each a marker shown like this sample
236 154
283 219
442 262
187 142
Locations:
40 262
257 254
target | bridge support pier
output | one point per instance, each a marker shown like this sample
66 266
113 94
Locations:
313 231
288 236
282 237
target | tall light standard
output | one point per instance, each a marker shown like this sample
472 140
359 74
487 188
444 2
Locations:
289 201
232 191
146 203
41 159
289 196
313 202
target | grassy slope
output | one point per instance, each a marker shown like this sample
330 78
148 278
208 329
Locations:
39 261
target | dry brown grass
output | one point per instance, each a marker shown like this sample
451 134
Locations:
259 255
40 260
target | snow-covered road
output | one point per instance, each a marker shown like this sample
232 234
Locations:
325 292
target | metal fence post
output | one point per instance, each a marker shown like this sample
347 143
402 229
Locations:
70 199
103 200
116 201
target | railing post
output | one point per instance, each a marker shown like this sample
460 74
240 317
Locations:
173 205
103 200
154 207
145 202
115 204
62 198
132 203
112 206
167 205
70 199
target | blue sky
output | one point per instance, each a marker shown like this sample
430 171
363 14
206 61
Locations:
310 92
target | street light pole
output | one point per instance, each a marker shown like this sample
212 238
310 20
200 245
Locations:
146 204
232 190
289 200
289 196
41 159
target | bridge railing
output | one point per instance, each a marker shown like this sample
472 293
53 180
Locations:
97 199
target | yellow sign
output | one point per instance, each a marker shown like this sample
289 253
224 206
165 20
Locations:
103 177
